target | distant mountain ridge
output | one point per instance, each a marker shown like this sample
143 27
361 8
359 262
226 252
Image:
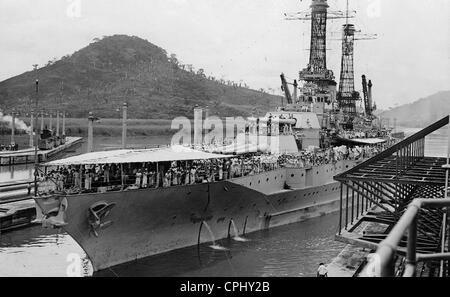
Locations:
421 112
120 68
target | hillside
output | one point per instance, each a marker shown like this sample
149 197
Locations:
421 112
119 68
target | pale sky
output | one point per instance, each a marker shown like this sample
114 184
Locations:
242 39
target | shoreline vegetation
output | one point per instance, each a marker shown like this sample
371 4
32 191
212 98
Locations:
104 128
113 127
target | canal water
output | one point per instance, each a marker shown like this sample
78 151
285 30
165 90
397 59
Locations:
292 250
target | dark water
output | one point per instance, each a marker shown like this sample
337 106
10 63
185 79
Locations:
292 250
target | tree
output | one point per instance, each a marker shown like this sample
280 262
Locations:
52 61
201 72
190 68
174 60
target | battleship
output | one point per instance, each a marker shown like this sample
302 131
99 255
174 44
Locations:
116 223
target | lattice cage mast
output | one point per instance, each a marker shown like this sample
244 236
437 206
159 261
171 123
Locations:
316 70
347 96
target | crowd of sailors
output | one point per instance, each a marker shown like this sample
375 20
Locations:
361 134
121 177
9 147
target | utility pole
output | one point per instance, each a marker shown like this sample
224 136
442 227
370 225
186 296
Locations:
64 124
57 123
36 161
31 128
42 120
124 125
58 112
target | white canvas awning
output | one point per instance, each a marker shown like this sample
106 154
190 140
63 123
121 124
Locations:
174 153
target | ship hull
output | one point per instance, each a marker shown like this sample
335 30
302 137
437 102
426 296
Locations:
151 221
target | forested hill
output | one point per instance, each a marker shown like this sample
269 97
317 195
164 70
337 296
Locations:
421 112
120 68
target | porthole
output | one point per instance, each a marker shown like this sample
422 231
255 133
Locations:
292 175
267 179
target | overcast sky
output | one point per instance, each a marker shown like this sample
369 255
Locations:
242 39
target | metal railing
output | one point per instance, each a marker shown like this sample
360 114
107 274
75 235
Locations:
382 263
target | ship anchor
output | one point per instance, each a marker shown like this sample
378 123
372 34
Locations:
97 213
55 218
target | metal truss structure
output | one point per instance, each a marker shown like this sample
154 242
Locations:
347 96
375 194
317 71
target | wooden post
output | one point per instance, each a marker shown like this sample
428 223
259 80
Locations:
90 144
121 175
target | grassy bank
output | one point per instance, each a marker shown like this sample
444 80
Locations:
113 127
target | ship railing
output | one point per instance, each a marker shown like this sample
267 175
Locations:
382 263
48 184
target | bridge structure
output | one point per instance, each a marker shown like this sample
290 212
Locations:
392 204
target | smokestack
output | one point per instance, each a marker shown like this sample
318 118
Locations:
124 125
198 126
57 123
32 129
90 144
369 94
13 128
